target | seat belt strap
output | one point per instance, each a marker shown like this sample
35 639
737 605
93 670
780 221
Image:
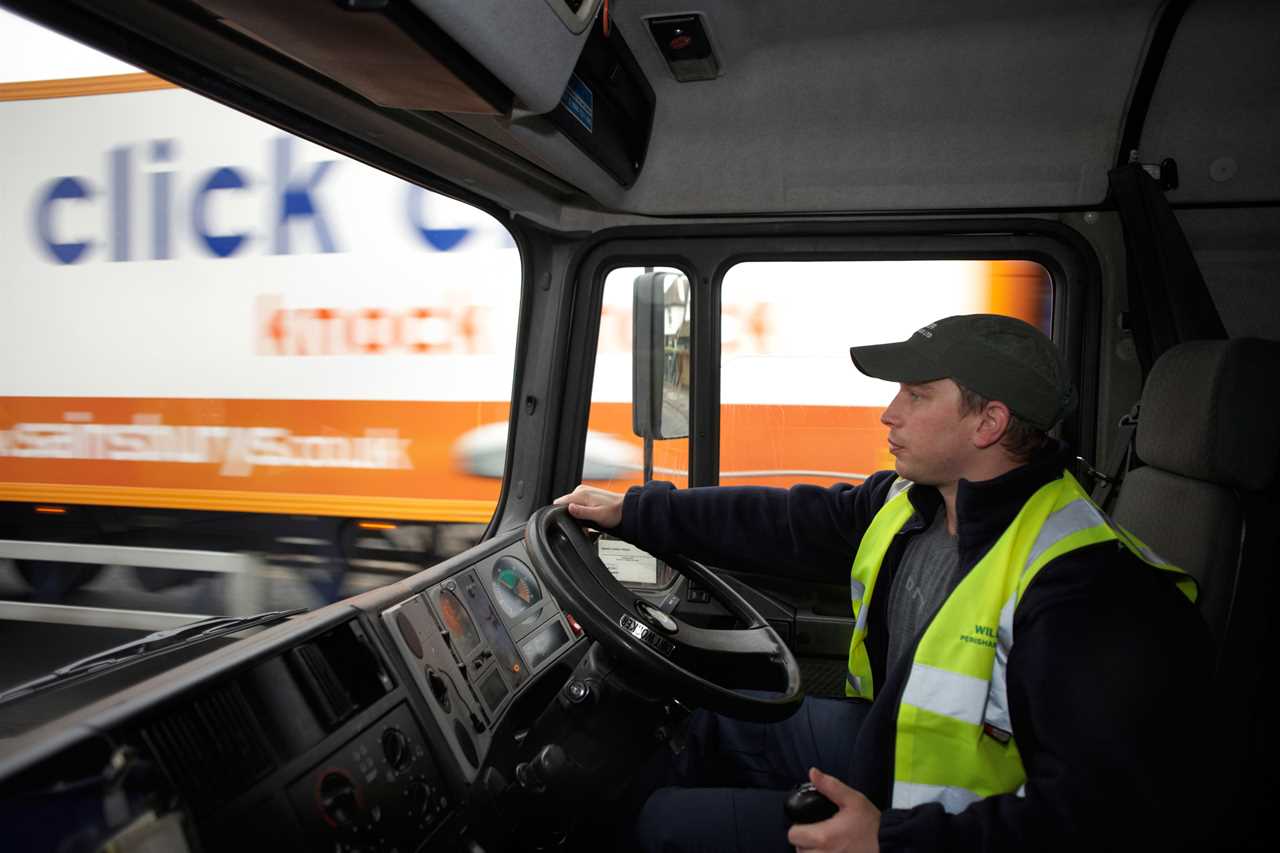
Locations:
1122 458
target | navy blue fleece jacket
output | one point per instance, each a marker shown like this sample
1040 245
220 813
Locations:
1108 678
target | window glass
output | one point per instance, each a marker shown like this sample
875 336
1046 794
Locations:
219 336
614 456
793 406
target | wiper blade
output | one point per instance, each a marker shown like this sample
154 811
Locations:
154 643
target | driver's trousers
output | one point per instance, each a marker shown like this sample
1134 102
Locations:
723 793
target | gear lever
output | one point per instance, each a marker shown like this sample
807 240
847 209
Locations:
806 804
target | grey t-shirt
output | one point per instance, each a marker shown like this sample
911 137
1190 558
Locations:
929 571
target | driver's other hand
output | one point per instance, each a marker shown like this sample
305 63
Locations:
854 828
587 503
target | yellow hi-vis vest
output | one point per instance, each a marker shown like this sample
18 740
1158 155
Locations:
954 742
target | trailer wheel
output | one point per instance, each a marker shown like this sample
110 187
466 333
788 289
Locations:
50 581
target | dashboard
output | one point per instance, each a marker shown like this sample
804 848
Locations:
361 726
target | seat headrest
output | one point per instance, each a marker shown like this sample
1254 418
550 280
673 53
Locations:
1211 410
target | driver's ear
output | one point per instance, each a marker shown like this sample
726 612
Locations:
993 422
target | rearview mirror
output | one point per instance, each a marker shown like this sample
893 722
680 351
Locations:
660 356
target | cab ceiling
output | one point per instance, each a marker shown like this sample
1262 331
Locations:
851 106
836 106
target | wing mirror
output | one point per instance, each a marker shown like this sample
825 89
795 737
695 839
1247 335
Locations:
660 356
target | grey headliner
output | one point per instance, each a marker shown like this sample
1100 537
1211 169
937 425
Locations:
872 106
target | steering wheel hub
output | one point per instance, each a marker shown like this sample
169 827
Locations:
645 634
664 622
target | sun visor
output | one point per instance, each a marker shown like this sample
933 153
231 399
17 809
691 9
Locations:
385 50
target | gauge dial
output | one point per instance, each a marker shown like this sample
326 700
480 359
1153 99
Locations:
457 621
514 586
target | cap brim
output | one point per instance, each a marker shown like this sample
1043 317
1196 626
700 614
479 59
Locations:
896 362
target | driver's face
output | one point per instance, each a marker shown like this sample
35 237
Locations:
929 436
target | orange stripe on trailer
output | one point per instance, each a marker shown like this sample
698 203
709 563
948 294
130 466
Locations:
328 448
222 500
75 87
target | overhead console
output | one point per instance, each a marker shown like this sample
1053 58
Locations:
607 107
531 46
560 60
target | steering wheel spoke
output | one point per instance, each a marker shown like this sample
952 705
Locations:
731 657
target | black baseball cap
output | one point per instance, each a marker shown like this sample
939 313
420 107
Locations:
1001 358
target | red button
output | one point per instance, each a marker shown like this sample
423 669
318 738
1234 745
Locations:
573 624
680 42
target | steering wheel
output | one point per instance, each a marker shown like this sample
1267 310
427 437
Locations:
699 665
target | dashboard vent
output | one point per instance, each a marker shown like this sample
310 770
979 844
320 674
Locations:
211 748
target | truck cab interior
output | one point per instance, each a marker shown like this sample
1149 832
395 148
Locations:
496 700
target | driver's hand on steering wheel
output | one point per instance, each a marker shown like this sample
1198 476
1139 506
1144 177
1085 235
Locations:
597 506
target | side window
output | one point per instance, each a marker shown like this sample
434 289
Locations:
793 407
615 455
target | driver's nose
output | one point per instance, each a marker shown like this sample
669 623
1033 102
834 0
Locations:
891 416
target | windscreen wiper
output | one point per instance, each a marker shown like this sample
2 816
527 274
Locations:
167 640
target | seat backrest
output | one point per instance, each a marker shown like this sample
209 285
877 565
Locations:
1209 435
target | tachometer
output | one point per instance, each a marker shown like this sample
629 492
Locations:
514 586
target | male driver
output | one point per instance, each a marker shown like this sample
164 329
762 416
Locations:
1023 674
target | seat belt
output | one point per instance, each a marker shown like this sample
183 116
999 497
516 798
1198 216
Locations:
1122 458
1168 300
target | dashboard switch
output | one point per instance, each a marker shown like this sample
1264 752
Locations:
337 797
419 796
395 746
577 691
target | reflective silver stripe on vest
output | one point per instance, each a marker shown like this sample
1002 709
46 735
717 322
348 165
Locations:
855 681
1079 515
908 795
1076 516
897 487
857 590
997 713
951 694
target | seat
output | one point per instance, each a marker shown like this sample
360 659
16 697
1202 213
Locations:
1209 438
1206 500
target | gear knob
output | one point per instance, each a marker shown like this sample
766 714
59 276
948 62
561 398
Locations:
806 804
